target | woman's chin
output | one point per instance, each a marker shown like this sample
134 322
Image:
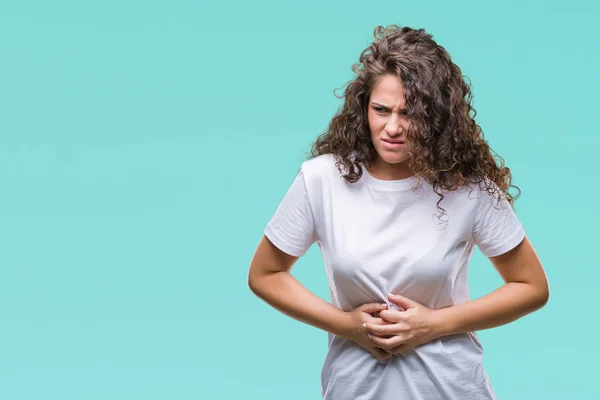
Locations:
391 159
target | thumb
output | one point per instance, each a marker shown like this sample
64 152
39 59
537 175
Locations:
373 307
402 301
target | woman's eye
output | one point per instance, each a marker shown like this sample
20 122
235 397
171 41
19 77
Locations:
383 110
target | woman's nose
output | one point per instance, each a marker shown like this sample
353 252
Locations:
393 125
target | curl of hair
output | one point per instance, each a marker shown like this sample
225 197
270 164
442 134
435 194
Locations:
447 147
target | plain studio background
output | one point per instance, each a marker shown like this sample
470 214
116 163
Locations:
144 147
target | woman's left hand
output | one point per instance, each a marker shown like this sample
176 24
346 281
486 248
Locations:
406 329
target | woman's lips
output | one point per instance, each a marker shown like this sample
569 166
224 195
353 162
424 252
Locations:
392 145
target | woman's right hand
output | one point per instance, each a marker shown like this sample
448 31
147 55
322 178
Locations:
356 332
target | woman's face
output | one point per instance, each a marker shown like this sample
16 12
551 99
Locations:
388 123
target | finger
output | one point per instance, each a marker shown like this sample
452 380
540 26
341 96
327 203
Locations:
378 321
382 329
401 348
373 307
402 301
380 354
392 315
387 343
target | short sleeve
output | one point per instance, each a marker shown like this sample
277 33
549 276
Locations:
292 227
496 228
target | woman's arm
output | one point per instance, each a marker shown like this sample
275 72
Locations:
526 290
270 279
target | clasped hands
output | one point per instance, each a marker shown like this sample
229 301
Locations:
392 332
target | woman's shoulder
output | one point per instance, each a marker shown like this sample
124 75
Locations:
322 173
320 166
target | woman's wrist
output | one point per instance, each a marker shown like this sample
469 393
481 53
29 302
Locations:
440 324
344 327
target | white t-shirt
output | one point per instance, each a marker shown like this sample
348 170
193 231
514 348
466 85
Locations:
379 236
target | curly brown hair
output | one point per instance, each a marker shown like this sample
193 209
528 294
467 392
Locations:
447 147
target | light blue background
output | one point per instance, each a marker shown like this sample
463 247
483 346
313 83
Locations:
145 145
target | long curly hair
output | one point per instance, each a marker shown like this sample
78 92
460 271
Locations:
447 148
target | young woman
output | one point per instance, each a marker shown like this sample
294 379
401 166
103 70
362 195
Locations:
397 193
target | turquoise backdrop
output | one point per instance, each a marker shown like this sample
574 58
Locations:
145 145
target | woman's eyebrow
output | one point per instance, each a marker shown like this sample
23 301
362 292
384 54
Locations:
386 107
380 105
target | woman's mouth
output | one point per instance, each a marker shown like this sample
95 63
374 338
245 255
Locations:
392 144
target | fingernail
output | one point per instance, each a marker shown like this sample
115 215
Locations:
365 325
384 305
369 335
